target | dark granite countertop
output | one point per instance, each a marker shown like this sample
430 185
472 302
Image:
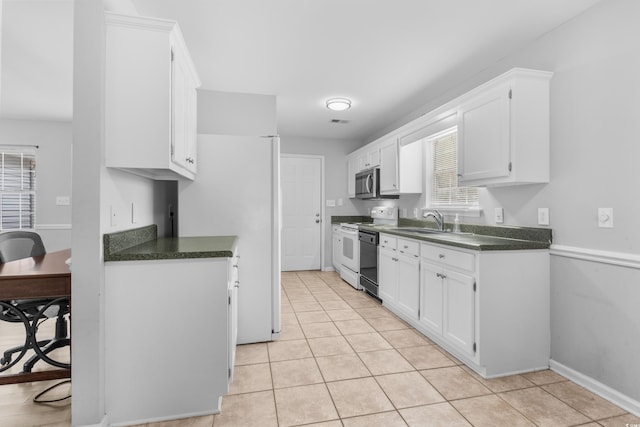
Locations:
142 244
471 240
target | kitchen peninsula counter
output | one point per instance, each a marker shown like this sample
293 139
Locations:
142 244
182 291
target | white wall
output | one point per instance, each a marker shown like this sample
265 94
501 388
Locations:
97 191
334 152
594 126
230 113
53 174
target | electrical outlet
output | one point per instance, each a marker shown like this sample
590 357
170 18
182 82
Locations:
605 217
63 201
415 213
543 216
499 215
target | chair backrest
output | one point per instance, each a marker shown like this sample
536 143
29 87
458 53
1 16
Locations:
20 244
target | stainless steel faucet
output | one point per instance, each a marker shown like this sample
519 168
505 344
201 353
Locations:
437 216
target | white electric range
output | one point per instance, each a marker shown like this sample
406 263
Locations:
350 257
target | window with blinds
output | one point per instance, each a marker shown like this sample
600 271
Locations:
17 189
444 173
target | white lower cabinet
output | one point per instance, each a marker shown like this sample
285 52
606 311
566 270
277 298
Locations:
490 309
387 275
168 324
447 295
399 275
447 305
233 284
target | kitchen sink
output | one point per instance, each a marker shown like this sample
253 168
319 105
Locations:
426 231
418 230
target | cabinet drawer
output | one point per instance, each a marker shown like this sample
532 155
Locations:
409 247
453 258
387 241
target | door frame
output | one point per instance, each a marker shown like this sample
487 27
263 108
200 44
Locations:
322 198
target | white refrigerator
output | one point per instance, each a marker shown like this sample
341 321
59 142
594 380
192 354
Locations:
237 192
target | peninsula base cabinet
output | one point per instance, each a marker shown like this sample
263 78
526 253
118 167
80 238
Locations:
170 333
490 309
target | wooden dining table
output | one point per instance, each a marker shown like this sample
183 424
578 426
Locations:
44 276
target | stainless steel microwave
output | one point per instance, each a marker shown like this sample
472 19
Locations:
368 185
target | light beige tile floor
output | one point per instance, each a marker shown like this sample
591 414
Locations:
344 360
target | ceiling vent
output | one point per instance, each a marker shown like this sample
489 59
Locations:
339 121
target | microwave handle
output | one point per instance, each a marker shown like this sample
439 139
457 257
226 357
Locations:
369 177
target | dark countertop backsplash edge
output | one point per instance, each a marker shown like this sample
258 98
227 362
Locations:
121 240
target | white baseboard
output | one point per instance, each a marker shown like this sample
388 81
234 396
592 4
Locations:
602 390
103 423
328 269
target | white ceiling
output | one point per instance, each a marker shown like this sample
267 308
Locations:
388 56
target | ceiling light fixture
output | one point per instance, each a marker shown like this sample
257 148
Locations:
338 104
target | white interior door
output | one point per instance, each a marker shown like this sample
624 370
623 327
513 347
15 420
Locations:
301 182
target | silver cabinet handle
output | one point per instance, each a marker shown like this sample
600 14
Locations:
441 256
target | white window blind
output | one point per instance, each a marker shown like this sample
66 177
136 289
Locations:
444 175
17 189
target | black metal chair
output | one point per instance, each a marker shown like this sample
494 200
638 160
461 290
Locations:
31 312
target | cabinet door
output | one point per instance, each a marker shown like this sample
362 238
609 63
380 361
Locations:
389 168
484 136
232 313
431 296
352 169
459 310
374 157
183 100
409 285
388 276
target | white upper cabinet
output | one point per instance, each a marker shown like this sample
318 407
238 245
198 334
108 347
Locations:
400 168
503 131
389 180
352 170
150 98
369 158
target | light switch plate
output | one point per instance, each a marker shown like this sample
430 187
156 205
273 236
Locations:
499 215
543 216
605 217
331 203
114 216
